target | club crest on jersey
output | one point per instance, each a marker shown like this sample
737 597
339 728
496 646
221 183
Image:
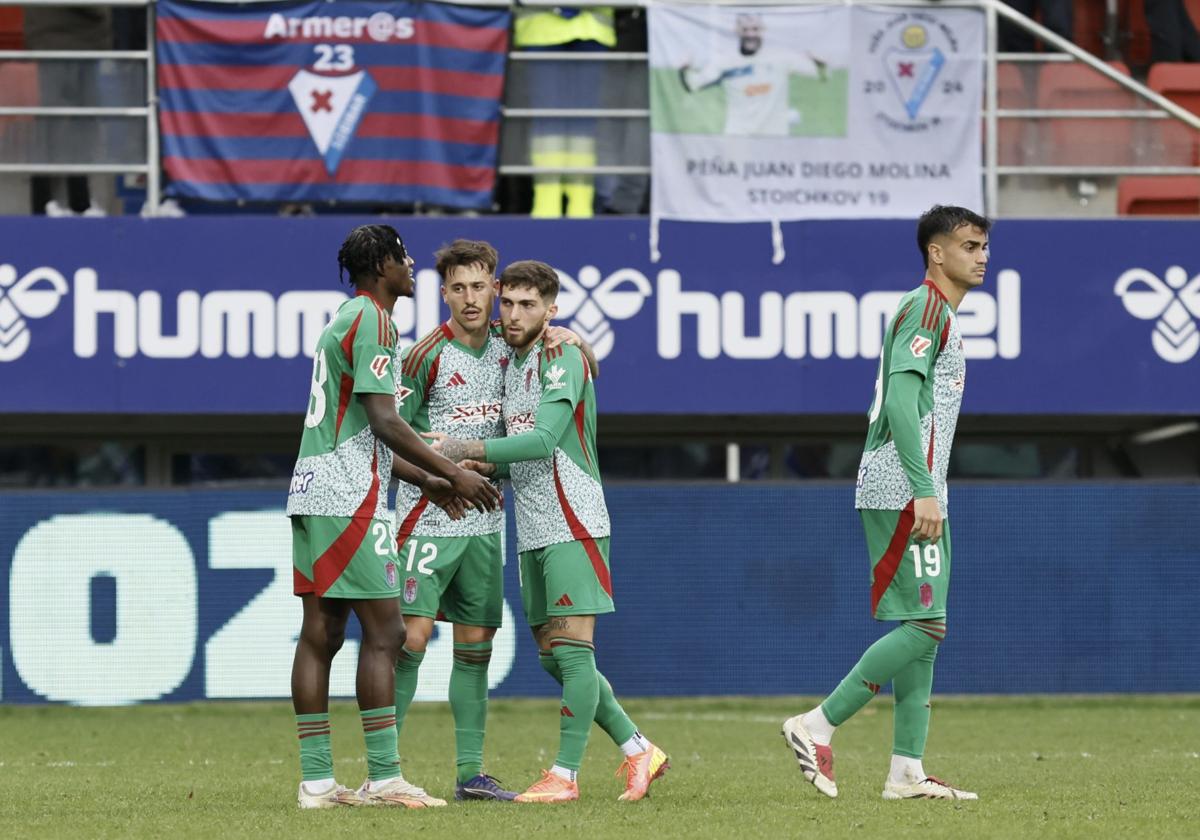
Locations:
332 107
389 573
919 345
379 365
553 378
926 595
410 590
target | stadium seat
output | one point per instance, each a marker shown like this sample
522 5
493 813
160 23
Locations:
1158 196
12 35
1084 142
1177 144
1013 134
18 87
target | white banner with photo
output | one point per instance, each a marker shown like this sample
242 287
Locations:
768 113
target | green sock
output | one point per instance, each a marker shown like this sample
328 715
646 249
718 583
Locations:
609 714
468 702
881 662
407 666
581 694
316 757
379 731
912 687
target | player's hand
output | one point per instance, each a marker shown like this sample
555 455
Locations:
441 493
554 336
477 490
481 467
927 520
435 439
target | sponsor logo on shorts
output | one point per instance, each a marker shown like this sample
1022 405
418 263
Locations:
410 590
389 572
926 595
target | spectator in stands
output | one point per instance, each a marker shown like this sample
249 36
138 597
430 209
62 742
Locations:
66 83
1173 35
1056 15
564 84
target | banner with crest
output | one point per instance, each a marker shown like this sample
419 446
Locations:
777 113
392 102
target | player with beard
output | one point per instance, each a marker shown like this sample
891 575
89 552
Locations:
343 551
450 382
562 528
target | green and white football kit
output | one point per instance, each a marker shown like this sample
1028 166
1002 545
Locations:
342 544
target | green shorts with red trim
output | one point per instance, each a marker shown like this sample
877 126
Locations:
909 579
344 557
568 578
458 579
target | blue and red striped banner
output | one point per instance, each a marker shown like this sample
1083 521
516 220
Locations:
349 101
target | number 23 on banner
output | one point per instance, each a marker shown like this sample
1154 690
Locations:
337 57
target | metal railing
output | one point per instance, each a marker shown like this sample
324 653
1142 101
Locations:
1162 108
151 167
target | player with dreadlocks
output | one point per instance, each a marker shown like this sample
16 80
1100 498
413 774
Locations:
343 549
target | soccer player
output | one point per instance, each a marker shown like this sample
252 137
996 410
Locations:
450 383
901 496
562 528
343 550
756 91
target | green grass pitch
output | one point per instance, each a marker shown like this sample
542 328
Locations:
1123 767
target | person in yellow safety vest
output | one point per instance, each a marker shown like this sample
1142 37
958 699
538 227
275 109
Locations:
566 142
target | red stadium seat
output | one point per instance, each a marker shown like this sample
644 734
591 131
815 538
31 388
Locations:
1180 83
18 88
1158 196
1084 142
12 35
1011 93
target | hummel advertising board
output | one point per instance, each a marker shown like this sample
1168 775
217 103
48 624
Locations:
220 315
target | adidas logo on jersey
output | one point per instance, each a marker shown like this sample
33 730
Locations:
564 601
455 380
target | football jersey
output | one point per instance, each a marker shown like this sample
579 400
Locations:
559 499
923 336
343 469
756 96
447 386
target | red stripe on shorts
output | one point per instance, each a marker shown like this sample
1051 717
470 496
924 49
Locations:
333 562
580 533
885 569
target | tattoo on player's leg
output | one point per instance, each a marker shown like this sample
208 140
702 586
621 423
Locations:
559 622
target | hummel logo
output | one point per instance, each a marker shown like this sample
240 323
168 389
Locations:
553 378
1171 305
456 379
564 601
35 295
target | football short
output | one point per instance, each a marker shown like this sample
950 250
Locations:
344 557
909 579
459 579
568 578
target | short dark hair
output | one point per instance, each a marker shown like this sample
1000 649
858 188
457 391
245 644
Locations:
531 274
366 249
465 252
942 219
